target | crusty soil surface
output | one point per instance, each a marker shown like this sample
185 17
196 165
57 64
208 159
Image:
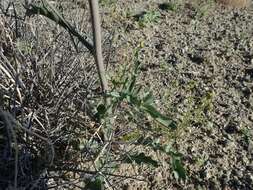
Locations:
198 60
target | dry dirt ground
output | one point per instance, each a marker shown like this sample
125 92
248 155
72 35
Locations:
197 58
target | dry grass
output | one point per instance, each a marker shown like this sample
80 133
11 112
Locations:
44 86
49 86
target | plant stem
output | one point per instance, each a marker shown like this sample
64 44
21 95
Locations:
94 9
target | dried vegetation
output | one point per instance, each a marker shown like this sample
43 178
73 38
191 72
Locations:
195 56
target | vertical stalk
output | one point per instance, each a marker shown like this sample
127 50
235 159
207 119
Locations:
95 18
97 52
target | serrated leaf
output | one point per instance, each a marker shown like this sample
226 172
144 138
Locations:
141 159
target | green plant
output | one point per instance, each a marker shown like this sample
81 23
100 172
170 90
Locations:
197 108
137 104
131 93
125 91
176 158
203 8
247 136
201 161
147 18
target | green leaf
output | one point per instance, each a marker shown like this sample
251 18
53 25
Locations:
101 110
94 184
177 165
148 17
114 94
148 98
128 98
131 136
136 91
131 85
156 146
134 100
162 119
141 159
178 168
133 76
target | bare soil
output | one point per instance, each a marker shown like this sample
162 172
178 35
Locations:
197 58
198 61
